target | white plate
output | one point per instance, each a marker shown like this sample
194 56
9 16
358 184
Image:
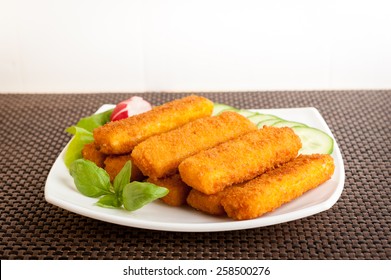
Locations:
61 191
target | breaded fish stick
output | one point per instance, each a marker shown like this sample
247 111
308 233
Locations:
120 137
91 153
178 190
114 164
276 187
160 155
208 203
240 159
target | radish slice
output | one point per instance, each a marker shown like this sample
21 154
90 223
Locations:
130 107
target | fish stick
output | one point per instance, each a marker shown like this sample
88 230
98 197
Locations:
281 185
240 159
208 203
91 153
160 155
120 137
114 164
178 190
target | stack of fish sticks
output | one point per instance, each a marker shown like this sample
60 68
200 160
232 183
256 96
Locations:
220 165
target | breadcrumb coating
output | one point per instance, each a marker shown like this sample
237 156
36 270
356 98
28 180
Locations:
208 203
178 190
240 159
120 137
276 187
91 153
160 155
114 164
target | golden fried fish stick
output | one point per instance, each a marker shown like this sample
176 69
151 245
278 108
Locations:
240 159
208 203
91 153
276 187
120 137
178 190
160 155
114 164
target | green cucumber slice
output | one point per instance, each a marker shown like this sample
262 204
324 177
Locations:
219 108
288 124
257 118
267 122
246 113
314 141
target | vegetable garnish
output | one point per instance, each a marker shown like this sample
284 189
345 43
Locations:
130 107
82 132
83 129
93 181
81 137
313 140
136 194
91 122
90 180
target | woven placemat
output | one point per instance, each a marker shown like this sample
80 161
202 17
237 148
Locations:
356 227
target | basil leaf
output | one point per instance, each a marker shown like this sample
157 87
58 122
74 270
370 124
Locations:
137 194
109 201
89 179
91 122
76 145
122 178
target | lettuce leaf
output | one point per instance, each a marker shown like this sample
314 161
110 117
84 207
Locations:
80 138
82 132
91 122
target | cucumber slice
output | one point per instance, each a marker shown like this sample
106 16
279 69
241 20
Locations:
218 108
246 113
288 124
314 141
257 118
267 122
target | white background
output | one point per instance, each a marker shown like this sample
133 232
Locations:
279 270
203 45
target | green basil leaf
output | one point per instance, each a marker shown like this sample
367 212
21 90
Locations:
109 201
76 145
89 179
137 194
122 178
91 122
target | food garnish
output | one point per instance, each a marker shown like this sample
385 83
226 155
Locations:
313 140
93 181
82 132
130 107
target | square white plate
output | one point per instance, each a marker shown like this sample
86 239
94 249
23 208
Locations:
61 191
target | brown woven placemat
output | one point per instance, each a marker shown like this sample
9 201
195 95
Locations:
356 227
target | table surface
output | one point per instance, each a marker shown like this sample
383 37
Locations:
356 227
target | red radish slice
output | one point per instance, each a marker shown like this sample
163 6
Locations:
133 106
